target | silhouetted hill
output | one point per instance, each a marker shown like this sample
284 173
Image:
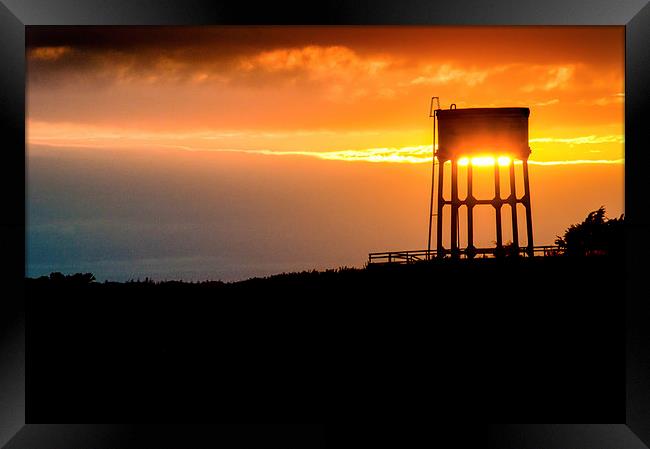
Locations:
515 339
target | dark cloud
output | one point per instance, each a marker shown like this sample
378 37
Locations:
103 53
172 53
131 38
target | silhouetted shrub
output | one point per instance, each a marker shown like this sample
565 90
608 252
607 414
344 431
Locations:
510 250
77 278
596 235
57 276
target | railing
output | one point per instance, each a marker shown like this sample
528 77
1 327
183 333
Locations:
401 257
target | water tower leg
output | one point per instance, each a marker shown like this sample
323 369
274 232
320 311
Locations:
529 217
441 171
469 203
454 208
513 206
497 208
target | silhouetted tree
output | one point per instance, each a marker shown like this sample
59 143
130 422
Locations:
57 276
77 278
82 278
596 235
510 250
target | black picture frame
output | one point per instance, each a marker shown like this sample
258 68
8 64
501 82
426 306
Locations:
16 14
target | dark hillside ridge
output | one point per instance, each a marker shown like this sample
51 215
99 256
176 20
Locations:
518 340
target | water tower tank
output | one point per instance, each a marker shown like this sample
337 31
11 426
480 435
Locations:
483 132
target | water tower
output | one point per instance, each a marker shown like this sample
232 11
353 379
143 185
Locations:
494 136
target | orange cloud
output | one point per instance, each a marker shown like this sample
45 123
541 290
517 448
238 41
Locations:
78 136
552 78
448 73
315 60
547 103
593 139
618 98
340 79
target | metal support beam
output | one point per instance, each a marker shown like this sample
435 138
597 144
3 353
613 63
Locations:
513 205
469 202
441 170
454 208
497 206
529 218
498 201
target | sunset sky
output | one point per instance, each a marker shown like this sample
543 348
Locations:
230 152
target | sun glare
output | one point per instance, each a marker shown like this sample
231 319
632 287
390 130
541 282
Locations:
484 161
503 160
